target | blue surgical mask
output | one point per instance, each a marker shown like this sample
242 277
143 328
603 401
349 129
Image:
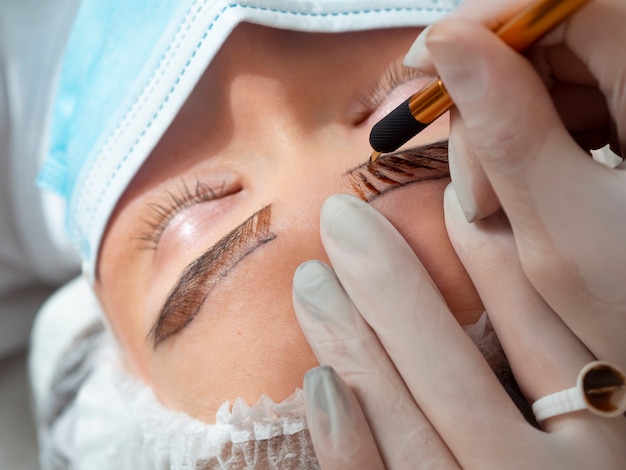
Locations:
130 65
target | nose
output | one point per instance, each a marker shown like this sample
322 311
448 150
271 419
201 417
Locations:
271 97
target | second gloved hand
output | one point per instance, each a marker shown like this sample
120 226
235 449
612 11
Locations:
411 389
383 336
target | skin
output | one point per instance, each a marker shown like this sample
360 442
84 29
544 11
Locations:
279 125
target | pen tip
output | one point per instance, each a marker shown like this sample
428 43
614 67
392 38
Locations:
375 156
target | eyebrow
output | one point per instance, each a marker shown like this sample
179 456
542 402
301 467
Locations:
401 168
200 276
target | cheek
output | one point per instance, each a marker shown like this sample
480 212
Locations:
417 212
245 342
121 293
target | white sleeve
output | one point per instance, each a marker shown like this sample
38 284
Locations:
34 254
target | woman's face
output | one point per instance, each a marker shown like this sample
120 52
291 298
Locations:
196 266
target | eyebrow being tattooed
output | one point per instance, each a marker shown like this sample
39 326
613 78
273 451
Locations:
368 181
203 274
428 162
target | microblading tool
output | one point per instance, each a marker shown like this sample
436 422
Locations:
422 108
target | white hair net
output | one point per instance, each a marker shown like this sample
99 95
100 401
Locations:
115 421
92 414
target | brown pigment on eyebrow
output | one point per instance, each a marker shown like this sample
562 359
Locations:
368 185
404 161
382 177
371 180
390 164
203 274
357 189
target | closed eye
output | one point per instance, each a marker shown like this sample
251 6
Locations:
161 213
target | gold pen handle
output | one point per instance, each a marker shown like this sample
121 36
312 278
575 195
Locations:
432 102
529 25
519 32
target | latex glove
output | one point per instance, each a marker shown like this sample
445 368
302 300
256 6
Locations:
511 147
428 396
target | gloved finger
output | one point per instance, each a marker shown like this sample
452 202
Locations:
544 354
469 178
603 51
590 130
341 436
340 337
537 170
600 52
582 109
557 63
503 126
490 13
574 91
446 374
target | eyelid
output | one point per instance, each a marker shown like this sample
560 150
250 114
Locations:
172 202
203 274
376 92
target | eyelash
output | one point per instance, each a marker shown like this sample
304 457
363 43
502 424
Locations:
173 202
394 76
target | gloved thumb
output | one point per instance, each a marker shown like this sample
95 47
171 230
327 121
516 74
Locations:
509 125
339 430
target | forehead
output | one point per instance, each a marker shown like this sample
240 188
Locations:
129 67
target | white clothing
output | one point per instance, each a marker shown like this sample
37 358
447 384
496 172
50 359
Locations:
35 256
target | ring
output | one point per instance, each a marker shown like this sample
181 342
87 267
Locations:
600 388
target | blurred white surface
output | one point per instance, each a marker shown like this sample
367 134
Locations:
18 441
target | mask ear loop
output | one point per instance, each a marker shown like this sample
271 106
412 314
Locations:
600 388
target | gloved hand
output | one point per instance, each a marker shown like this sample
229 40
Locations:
514 144
423 395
